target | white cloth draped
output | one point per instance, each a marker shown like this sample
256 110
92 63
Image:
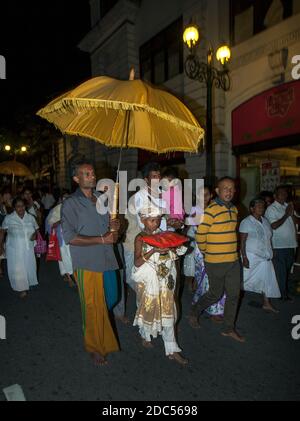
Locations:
21 263
260 277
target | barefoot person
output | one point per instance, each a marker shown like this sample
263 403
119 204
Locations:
257 254
21 229
91 246
155 276
217 240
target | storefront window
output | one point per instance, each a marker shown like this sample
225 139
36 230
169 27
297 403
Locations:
264 170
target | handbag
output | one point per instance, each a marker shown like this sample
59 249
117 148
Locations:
167 239
41 245
53 252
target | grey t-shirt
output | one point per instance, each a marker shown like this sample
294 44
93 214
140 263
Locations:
80 217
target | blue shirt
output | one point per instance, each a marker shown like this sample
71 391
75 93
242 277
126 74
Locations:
79 216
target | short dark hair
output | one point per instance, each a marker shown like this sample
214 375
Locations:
27 189
208 187
255 201
280 187
148 168
79 164
6 190
17 200
227 177
265 193
171 172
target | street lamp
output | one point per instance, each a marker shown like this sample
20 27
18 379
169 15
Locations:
15 150
206 73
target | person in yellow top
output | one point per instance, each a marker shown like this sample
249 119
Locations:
217 240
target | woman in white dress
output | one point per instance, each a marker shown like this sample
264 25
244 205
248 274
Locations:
257 254
21 229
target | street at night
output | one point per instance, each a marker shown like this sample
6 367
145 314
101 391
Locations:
149 203
44 353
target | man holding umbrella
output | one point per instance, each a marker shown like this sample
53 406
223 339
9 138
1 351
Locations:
91 237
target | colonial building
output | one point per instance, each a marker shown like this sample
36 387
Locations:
147 34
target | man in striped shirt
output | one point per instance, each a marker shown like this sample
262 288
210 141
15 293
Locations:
217 241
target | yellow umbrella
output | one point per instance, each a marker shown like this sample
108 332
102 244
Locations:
127 113
15 168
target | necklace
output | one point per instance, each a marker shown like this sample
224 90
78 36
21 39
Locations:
161 269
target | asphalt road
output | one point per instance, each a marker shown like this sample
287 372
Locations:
44 353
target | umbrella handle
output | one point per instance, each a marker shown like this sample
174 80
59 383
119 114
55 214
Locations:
115 208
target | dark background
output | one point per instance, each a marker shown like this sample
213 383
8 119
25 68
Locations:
39 42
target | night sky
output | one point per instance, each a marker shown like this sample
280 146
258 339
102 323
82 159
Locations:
39 42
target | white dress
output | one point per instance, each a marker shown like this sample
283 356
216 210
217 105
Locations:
260 277
156 312
21 263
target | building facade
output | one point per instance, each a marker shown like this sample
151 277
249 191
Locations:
147 35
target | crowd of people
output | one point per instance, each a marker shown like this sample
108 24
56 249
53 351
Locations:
222 254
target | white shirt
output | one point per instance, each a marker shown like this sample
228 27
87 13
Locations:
259 236
48 201
284 237
195 217
19 230
32 209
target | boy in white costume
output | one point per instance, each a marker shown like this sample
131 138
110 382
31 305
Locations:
154 272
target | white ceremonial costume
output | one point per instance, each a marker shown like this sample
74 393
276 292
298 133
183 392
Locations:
155 286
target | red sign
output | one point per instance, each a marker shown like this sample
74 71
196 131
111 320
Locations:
274 113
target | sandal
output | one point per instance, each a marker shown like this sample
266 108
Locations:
176 356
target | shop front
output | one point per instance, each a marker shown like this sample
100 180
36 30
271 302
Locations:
266 141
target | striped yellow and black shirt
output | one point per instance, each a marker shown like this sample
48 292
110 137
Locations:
216 236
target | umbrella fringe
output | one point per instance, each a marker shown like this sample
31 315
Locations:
75 105
162 151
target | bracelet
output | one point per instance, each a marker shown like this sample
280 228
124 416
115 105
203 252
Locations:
102 239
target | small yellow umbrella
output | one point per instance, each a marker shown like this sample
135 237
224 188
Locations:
16 169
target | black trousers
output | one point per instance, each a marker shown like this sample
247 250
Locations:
222 277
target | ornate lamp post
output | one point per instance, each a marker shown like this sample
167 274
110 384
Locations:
206 73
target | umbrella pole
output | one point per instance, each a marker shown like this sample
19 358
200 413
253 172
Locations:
13 183
114 213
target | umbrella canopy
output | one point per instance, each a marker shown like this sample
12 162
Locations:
125 114
15 168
